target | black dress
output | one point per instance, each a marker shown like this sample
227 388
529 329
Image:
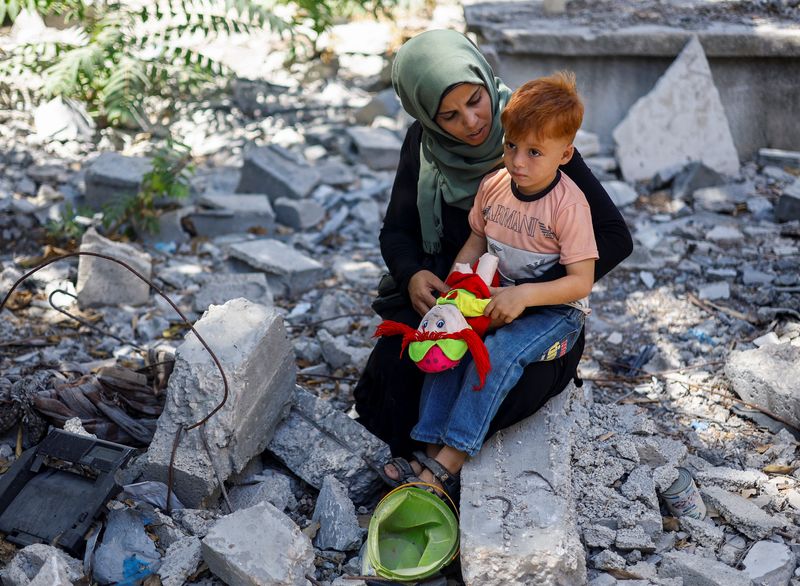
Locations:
387 395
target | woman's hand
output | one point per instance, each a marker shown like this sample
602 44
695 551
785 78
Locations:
506 304
420 290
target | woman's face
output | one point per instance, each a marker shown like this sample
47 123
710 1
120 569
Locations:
466 113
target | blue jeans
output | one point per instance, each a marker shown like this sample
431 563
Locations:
453 414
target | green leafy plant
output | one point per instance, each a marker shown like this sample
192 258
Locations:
130 52
68 227
167 180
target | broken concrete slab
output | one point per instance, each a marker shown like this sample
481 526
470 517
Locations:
634 538
290 271
620 192
180 561
517 514
745 516
298 214
700 571
104 282
788 207
219 214
730 478
216 289
713 291
703 532
30 560
779 158
640 486
378 148
681 120
599 536
315 440
336 514
258 546
769 563
339 353
767 377
694 176
112 177
276 172
251 344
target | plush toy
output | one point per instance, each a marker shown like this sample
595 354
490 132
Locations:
455 324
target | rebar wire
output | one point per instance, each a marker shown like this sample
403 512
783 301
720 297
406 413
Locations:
171 469
84 322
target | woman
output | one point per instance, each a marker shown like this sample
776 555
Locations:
446 84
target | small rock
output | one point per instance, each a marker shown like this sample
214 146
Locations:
712 291
336 515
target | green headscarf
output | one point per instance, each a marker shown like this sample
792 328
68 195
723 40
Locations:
450 170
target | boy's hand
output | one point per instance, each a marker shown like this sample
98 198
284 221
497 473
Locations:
506 305
420 288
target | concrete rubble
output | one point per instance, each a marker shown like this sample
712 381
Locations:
274 256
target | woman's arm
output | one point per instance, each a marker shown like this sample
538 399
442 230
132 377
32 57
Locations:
614 242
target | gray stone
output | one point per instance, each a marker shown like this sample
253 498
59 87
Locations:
712 291
701 571
216 289
220 214
640 486
338 352
276 172
664 477
788 208
105 282
693 177
336 515
274 487
169 228
378 148
54 572
298 214
315 440
599 536
384 103
751 276
620 192
744 515
112 177
768 377
290 271
603 580
634 538
180 561
32 559
719 199
517 509
608 560
165 529
779 158
334 171
730 478
251 344
680 120
769 563
196 522
258 546
725 234
658 451
703 532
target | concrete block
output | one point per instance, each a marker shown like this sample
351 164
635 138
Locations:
788 208
276 172
338 353
680 120
620 192
251 344
779 158
334 171
336 515
712 291
693 177
216 289
599 536
745 516
769 563
517 511
31 560
289 270
315 440
640 486
220 214
767 377
730 478
258 546
104 282
700 571
273 487
634 538
703 532
112 177
608 560
180 561
378 148
298 214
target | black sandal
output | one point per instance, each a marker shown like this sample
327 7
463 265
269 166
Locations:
451 483
403 466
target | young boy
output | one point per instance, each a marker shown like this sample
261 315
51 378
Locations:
531 216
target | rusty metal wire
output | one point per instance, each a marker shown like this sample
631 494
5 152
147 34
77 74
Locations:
184 427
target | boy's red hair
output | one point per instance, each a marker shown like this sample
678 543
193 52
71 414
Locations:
547 107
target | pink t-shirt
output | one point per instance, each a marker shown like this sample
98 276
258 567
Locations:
529 234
